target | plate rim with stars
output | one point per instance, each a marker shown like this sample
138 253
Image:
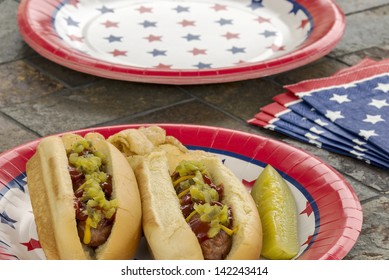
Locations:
330 214
36 25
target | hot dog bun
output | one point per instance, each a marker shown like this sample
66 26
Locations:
167 232
52 200
144 140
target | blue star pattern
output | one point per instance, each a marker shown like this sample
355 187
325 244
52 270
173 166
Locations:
202 65
235 50
16 218
346 114
71 22
174 35
105 10
181 9
156 52
224 21
112 38
191 37
296 7
268 33
342 106
255 4
316 130
147 24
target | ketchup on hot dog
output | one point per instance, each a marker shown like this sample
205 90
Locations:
92 186
203 209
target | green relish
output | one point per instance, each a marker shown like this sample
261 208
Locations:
198 193
94 201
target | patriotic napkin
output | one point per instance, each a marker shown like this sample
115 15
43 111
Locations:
347 113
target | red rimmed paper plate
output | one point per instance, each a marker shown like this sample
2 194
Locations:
330 215
181 42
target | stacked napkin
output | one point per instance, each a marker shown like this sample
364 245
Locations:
347 113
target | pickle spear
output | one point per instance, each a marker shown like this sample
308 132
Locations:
277 209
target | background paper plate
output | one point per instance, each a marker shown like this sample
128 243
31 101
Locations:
329 213
184 41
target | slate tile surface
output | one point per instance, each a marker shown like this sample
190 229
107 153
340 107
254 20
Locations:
39 97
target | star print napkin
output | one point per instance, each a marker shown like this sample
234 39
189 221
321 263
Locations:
347 113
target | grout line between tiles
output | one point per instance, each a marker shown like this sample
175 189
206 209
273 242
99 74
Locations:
144 113
365 10
19 124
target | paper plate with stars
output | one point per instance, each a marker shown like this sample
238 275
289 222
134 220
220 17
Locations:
329 212
181 41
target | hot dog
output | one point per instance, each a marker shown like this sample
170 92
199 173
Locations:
193 206
85 199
